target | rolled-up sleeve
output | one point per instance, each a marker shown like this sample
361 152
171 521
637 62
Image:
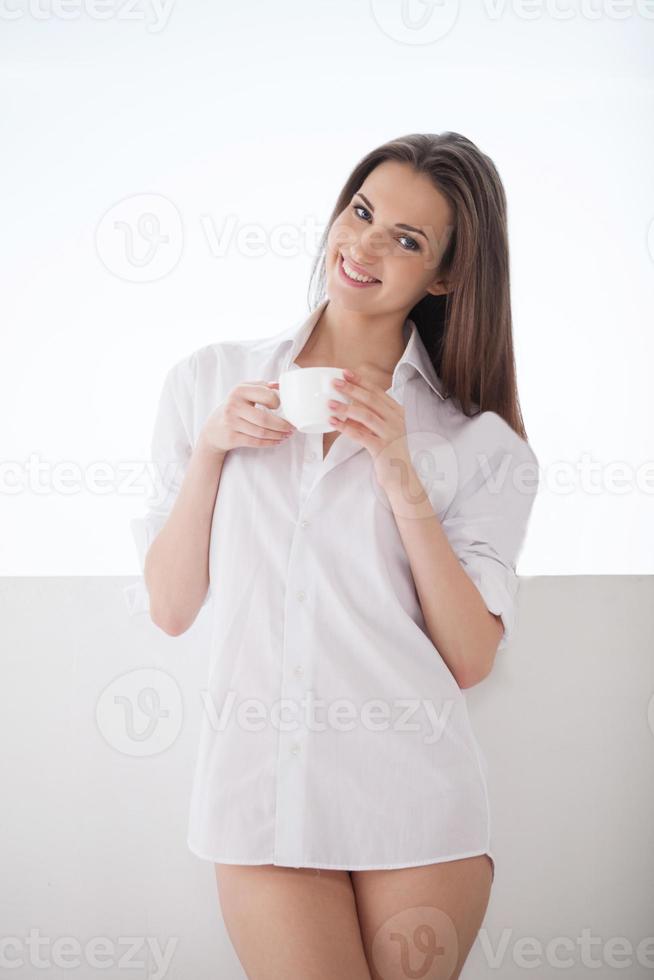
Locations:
486 525
171 450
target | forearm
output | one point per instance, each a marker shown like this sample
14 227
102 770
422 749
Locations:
176 569
460 625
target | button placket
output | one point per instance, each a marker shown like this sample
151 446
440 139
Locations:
301 595
292 756
311 462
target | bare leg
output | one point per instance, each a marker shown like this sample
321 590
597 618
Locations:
422 921
292 923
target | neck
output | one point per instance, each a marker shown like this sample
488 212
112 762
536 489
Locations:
349 339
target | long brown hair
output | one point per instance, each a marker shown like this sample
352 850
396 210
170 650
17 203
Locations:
468 331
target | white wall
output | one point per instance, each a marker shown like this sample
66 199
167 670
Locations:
254 114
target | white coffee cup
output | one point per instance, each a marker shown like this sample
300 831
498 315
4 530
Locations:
303 396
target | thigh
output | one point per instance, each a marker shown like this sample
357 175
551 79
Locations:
422 921
292 922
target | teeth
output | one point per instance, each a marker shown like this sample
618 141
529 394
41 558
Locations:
351 274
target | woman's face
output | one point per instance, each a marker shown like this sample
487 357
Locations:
404 260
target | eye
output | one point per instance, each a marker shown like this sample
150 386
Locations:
414 245
415 248
360 207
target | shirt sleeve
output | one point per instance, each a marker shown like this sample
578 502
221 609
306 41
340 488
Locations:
486 525
171 449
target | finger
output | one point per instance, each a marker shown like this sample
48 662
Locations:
251 393
359 413
358 390
246 440
356 431
245 427
252 390
261 420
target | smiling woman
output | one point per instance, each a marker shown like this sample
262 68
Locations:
379 571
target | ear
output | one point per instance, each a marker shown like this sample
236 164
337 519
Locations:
439 287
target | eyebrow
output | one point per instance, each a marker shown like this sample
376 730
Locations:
397 225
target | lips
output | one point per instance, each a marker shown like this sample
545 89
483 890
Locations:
357 268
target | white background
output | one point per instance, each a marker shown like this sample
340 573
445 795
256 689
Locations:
253 115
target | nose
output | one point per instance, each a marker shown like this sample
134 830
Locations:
369 246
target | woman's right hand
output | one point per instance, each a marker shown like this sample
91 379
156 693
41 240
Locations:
238 423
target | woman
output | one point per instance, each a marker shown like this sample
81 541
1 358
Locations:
372 567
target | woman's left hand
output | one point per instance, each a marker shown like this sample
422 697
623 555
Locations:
375 420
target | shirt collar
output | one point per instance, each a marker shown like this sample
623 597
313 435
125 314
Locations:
415 354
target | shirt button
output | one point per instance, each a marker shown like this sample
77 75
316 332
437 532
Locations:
304 524
301 596
298 671
311 455
295 748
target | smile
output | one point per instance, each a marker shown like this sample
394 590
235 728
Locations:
354 278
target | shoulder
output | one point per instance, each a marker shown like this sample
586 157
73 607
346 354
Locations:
484 435
490 431
199 381
488 457
224 362
504 469
206 360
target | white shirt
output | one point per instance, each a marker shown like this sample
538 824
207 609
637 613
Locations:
312 597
